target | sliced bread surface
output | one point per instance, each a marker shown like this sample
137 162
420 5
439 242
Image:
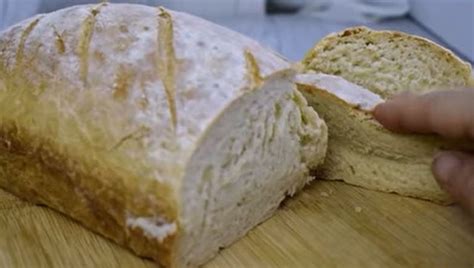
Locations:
361 152
365 67
388 62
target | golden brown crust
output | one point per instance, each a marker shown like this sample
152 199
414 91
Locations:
33 169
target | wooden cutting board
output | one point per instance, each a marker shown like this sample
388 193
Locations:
329 224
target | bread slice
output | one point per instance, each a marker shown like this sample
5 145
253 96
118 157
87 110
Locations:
365 67
387 62
361 152
163 132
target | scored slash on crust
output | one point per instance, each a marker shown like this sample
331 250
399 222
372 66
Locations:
166 61
20 53
87 30
59 41
253 75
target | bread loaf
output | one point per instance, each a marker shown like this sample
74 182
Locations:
371 66
163 132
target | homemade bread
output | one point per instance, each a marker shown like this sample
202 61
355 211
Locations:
163 132
381 63
387 62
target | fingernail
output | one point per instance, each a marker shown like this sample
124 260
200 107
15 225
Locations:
445 166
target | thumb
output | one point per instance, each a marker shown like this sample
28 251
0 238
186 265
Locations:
455 173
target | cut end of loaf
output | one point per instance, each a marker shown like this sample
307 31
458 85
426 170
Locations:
387 62
245 167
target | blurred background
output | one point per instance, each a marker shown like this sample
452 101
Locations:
293 26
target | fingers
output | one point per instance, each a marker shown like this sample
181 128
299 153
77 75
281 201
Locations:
455 173
447 113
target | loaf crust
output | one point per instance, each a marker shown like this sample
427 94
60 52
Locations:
40 174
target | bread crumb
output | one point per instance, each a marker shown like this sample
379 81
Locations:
358 209
324 194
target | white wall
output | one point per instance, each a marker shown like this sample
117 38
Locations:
451 20
13 11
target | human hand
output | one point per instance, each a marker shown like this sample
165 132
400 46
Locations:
449 114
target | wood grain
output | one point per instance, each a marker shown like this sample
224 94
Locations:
328 224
